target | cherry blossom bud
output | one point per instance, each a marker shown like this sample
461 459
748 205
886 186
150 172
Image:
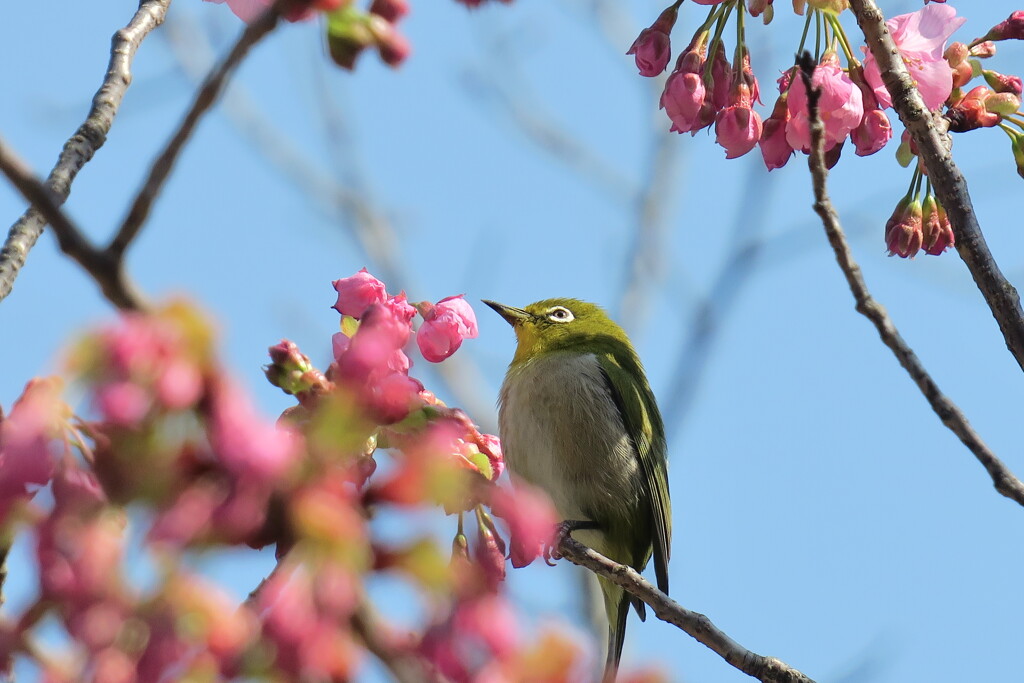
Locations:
1004 103
956 53
358 292
490 556
445 325
970 112
683 99
873 133
1002 83
393 47
984 49
903 231
774 148
756 7
937 233
653 48
1017 147
1012 28
390 10
721 79
738 127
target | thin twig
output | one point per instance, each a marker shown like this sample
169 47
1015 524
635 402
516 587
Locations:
1004 480
105 269
950 186
767 669
89 137
204 99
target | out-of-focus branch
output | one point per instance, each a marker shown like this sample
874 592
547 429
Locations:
949 183
89 137
377 636
105 269
205 98
767 669
1004 480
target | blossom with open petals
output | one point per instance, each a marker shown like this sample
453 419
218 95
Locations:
921 38
840 106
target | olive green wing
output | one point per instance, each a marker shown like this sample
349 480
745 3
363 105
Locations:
640 415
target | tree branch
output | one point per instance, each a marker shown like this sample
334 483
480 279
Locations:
950 186
1004 480
89 137
767 669
204 99
106 270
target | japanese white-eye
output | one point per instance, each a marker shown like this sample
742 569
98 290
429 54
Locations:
578 419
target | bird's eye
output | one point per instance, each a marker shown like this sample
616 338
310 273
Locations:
560 314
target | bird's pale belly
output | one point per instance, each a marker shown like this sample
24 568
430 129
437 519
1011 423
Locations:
562 432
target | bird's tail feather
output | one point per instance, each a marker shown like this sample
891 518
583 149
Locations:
616 604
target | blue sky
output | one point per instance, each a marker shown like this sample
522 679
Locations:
822 514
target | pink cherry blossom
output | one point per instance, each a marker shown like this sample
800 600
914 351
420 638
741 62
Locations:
683 99
358 292
247 444
840 106
921 38
873 133
738 127
445 325
26 435
531 518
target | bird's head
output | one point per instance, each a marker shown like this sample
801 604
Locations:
554 325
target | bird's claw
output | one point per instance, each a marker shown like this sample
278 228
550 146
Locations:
562 531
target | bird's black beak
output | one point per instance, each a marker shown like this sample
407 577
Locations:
513 316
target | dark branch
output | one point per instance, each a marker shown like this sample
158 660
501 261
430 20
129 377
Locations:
929 133
107 271
205 98
767 669
1005 481
89 137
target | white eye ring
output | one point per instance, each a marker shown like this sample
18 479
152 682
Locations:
559 314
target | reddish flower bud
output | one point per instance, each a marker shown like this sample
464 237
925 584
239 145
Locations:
1002 83
873 133
970 113
1012 28
962 75
756 7
775 150
490 555
653 48
358 292
956 53
937 233
738 127
1004 103
444 327
984 49
721 79
390 10
903 231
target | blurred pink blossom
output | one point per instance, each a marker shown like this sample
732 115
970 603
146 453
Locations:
26 456
531 518
738 127
247 444
921 38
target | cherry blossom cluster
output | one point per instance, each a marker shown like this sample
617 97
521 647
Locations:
706 88
176 447
350 30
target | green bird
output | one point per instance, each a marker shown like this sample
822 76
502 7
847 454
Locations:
578 419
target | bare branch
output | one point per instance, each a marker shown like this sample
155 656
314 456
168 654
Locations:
89 137
378 639
204 99
767 669
105 269
1004 480
950 186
